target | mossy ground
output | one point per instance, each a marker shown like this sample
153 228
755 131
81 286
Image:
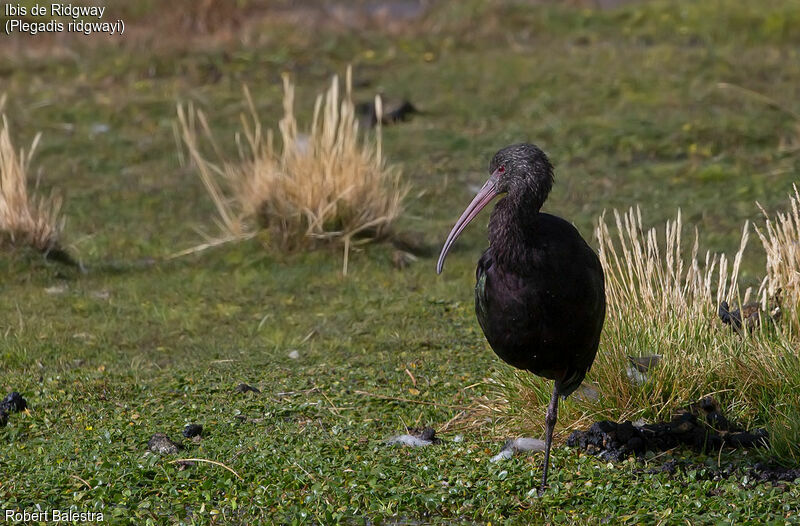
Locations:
626 102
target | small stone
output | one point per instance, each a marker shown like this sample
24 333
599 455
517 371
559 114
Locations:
294 355
192 430
161 444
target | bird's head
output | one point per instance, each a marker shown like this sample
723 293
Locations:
522 171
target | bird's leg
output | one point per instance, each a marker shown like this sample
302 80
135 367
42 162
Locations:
550 423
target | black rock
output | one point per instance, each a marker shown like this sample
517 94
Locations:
13 403
244 388
192 430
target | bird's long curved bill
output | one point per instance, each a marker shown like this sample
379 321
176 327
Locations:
483 197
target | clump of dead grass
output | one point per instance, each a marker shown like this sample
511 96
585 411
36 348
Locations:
25 219
329 184
781 241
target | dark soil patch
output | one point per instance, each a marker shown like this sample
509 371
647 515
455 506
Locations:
701 427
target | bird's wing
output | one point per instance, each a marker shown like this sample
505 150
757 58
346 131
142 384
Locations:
484 263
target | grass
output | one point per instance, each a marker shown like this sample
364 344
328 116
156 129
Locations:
626 102
779 237
326 185
25 220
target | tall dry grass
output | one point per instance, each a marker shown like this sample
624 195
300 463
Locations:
780 238
25 219
663 301
329 184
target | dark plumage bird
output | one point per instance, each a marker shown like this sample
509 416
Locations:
540 291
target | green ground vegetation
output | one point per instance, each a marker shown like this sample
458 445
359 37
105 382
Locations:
634 106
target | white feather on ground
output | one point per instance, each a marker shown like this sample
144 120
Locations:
518 445
408 440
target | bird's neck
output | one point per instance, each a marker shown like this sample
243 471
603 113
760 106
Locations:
512 230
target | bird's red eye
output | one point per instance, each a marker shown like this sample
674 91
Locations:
502 169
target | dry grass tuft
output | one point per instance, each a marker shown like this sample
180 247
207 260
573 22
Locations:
330 184
25 220
781 241
637 274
